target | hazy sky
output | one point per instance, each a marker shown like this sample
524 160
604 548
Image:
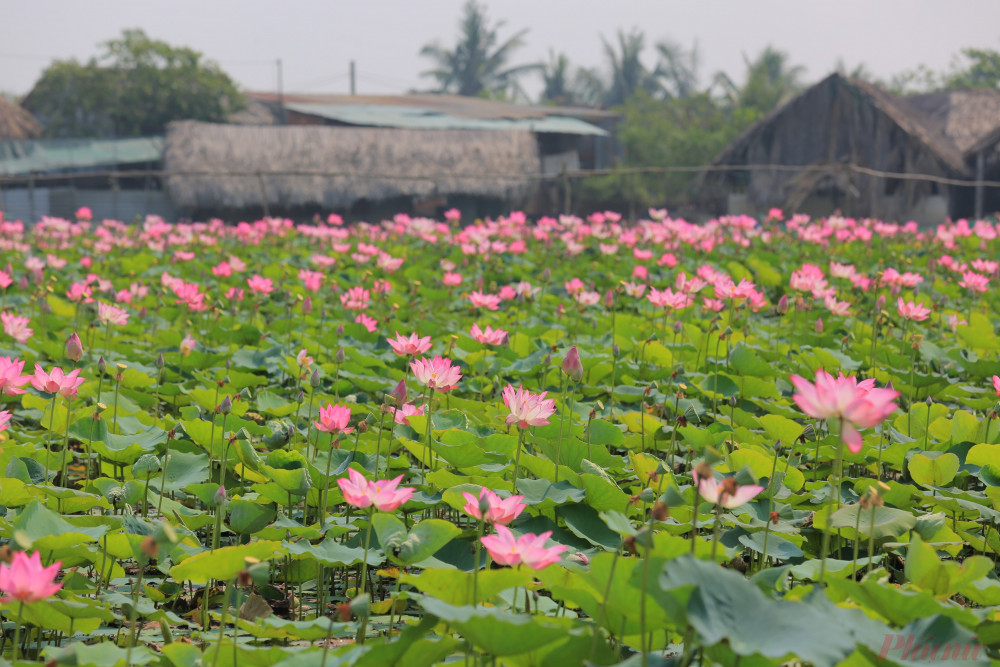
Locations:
316 39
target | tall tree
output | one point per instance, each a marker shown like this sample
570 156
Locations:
678 69
625 74
558 80
134 89
982 69
478 63
770 81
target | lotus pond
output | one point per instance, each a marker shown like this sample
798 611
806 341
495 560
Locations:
504 442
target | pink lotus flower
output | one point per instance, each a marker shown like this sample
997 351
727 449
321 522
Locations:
187 345
451 279
855 404
311 280
5 280
574 286
25 580
303 359
11 379
383 494
411 345
108 314
528 549
369 323
260 285
4 420
437 374
996 385
57 382
16 327
499 510
222 270
334 419
974 282
404 413
489 336
727 494
487 301
356 298
909 310
669 299
586 298
527 409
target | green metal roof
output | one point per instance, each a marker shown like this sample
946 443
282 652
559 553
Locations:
426 118
19 158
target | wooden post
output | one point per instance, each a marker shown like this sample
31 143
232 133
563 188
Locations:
980 177
567 194
263 195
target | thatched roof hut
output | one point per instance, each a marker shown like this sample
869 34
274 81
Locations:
839 121
965 116
16 122
213 167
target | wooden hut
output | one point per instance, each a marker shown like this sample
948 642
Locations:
811 154
230 170
16 122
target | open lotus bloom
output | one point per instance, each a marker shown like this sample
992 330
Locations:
853 405
528 549
385 495
727 493
26 580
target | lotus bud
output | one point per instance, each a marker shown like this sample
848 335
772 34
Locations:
818 327
160 362
226 406
399 393
880 303
546 275
616 351
782 306
74 347
340 330
339 358
102 365
579 557
609 299
572 366
307 305
300 397
314 379
220 497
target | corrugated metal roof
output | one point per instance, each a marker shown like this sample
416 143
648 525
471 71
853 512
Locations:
18 158
427 118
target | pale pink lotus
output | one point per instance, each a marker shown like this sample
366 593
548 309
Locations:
854 404
368 322
498 510
487 301
187 345
260 285
974 282
437 374
11 379
727 494
16 326
404 413
488 336
356 298
527 409
4 420
334 419
451 279
996 385
108 314
409 346
910 310
57 382
383 494
529 549
25 580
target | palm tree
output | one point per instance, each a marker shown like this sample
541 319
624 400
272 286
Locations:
556 75
770 81
477 65
678 69
625 72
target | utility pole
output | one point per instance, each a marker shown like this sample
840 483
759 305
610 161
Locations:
281 95
354 90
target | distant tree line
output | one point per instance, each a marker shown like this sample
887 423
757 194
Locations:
673 113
